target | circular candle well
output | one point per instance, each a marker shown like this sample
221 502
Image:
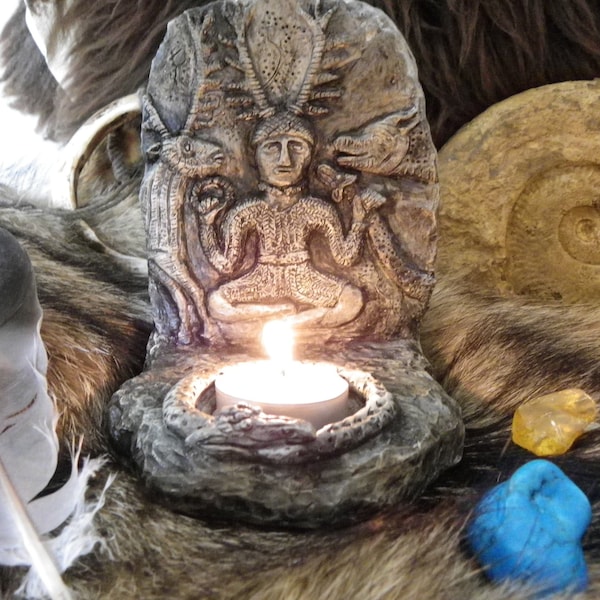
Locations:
313 392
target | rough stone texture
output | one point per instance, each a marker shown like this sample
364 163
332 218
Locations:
290 173
423 439
520 209
341 240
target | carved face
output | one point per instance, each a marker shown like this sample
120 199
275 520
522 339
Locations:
282 159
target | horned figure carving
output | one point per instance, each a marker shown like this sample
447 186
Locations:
286 192
305 218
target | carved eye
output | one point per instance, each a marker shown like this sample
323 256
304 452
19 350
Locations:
274 147
153 152
187 148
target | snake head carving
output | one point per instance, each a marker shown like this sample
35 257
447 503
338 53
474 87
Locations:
380 147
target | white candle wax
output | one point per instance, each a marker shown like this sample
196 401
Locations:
309 391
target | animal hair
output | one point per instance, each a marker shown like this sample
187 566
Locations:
495 351
96 319
470 55
114 46
26 77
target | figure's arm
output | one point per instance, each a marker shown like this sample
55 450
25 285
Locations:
345 249
210 243
236 225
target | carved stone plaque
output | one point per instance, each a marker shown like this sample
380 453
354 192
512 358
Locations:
290 174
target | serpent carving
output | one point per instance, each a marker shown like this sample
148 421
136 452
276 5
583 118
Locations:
178 161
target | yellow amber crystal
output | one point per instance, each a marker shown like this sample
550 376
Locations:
548 425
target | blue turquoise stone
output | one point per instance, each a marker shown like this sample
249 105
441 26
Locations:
529 529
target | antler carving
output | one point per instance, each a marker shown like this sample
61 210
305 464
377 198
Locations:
317 88
317 27
252 83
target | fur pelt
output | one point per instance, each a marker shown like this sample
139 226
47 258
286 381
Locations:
493 352
96 319
470 55
489 352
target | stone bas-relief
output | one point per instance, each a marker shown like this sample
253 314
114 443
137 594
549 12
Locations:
290 175
283 217
276 186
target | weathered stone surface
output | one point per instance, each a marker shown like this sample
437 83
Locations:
290 174
519 207
424 438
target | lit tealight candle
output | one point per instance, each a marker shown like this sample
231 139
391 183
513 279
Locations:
282 386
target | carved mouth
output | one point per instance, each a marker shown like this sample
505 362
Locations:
351 154
350 159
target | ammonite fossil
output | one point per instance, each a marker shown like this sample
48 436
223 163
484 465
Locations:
520 191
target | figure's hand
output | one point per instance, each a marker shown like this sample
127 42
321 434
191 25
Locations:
365 203
340 182
359 214
248 430
371 200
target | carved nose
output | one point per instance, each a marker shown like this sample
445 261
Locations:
284 156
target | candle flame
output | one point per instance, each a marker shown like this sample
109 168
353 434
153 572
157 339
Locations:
278 341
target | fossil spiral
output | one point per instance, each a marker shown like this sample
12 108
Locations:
520 191
553 236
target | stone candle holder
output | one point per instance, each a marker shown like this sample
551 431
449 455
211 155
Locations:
290 175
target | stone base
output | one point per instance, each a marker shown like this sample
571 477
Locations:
423 437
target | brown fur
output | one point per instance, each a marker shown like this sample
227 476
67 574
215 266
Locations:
491 351
470 55
96 319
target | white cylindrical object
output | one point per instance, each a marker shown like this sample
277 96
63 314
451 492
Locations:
313 392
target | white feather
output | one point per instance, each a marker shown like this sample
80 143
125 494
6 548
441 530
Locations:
30 548
77 538
29 445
